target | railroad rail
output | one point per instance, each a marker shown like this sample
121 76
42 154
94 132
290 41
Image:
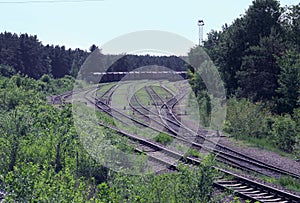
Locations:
224 153
249 192
246 188
227 155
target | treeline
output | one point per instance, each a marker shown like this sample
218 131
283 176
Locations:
132 62
97 62
26 55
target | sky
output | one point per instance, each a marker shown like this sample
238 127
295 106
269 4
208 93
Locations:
81 24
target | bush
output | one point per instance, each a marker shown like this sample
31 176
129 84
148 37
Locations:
163 138
188 185
7 71
245 119
205 108
252 122
45 78
32 182
194 153
284 133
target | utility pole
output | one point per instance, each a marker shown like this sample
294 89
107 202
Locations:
200 24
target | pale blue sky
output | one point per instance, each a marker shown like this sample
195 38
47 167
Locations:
82 24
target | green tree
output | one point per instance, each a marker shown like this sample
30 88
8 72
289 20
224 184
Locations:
93 48
230 48
260 19
291 24
259 71
289 82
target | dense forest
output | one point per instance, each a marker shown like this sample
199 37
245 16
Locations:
42 159
258 55
259 61
26 55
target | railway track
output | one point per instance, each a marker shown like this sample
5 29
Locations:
226 158
104 106
245 188
224 153
236 159
232 157
254 191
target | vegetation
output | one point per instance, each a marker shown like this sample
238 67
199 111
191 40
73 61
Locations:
26 55
289 183
259 53
285 181
258 59
43 157
184 186
162 92
144 97
194 153
255 124
163 138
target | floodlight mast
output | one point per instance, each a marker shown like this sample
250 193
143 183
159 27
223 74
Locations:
200 24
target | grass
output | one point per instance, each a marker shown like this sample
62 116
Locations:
80 84
261 143
192 107
103 88
162 92
284 181
144 98
120 102
193 112
139 130
289 183
170 86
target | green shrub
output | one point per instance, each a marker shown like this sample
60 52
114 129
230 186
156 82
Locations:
251 122
296 118
188 185
34 183
194 153
245 119
284 133
7 71
163 138
205 108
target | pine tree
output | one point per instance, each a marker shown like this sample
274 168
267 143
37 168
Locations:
289 82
